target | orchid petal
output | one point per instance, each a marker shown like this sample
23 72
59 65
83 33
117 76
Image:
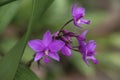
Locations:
66 51
56 45
93 59
82 47
83 34
38 56
84 21
47 38
91 45
78 11
54 56
36 45
81 37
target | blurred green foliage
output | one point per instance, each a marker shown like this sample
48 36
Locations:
57 14
9 63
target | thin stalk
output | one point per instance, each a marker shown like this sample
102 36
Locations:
74 49
65 25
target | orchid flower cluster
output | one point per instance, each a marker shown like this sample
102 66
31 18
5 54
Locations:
61 41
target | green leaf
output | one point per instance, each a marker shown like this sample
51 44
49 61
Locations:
4 2
7 13
24 73
9 63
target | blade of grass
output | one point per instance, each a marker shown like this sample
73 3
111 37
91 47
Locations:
7 12
24 73
9 63
6 2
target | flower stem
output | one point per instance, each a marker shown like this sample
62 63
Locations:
65 25
72 48
75 50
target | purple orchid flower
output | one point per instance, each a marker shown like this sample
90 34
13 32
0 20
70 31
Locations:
81 40
88 51
46 47
61 40
78 13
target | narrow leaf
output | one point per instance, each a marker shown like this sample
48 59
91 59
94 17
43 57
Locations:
24 73
7 12
4 2
9 63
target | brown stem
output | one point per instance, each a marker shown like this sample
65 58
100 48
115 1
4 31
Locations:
75 50
65 25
